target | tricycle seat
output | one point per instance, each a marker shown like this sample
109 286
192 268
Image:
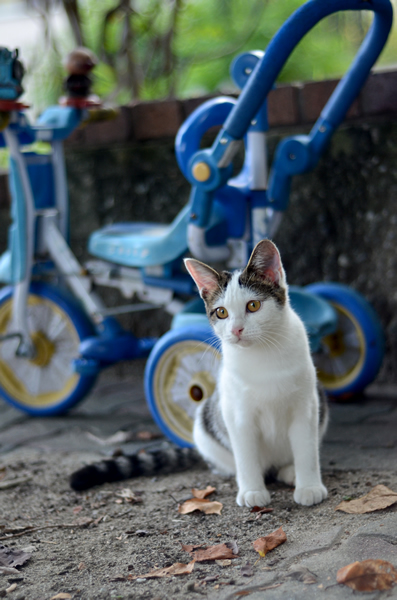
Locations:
141 244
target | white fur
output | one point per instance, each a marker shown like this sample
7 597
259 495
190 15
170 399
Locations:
268 397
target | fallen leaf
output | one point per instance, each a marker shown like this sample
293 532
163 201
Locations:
77 509
247 570
378 498
61 596
9 571
261 510
12 587
12 558
302 574
128 496
203 493
175 569
263 545
257 589
368 575
3 472
120 437
10 483
217 552
206 506
225 562
148 435
82 522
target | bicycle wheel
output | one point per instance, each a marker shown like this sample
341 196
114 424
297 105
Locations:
350 358
181 373
45 384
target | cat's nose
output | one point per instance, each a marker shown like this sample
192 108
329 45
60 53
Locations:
237 331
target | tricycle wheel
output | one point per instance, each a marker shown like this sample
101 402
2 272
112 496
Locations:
181 373
350 358
45 384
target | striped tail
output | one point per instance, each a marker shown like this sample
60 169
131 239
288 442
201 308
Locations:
144 462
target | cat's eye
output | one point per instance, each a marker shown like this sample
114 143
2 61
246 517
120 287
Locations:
221 313
253 305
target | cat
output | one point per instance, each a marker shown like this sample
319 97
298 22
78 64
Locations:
267 411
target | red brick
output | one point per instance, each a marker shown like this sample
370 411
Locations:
379 94
283 106
153 120
315 94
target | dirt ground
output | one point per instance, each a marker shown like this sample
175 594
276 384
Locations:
85 545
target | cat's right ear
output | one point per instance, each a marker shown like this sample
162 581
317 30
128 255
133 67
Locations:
206 278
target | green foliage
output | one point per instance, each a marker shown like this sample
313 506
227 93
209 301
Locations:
152 49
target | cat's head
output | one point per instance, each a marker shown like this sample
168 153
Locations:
246 306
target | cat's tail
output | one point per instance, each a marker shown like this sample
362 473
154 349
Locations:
145 462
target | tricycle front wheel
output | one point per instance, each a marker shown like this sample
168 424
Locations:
181 373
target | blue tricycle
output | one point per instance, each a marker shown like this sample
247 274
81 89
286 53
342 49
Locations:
56 335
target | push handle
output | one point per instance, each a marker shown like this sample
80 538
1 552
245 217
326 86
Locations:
290 34
214 162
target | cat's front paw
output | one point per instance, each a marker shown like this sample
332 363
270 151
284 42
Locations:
259 498
310 495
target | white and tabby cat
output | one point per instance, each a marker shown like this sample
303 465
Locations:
266 411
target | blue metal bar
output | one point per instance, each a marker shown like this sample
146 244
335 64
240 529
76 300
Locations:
281 46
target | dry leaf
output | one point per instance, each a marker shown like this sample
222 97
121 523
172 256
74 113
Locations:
206 506
224 562
9 557
148 435
263 545
10 589
302 574
82 522
378 498
261 510
128 496
257 589
217 552
9 571
10 483
175 569
3 472
120 437
368 575
61 596
203 493
247 570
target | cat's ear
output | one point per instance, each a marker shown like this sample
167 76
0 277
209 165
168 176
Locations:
265 261
206 278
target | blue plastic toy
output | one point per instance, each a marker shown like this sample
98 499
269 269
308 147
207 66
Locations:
56 336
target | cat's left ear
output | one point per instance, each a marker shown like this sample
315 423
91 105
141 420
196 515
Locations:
265 261
206 278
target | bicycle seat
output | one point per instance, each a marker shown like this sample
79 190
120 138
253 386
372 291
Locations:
141 244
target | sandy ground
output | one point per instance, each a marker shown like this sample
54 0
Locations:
98 545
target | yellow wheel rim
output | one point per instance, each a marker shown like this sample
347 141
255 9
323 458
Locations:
343 353
48 377
184 368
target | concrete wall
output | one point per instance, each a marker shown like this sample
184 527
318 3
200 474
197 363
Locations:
342 221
